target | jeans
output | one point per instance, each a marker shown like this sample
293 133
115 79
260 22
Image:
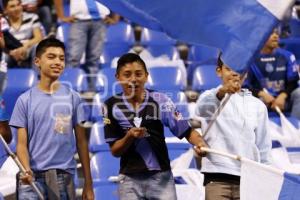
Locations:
86 37
147 186
295 101
26 192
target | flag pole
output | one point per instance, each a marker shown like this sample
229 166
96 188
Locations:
21 167
239 158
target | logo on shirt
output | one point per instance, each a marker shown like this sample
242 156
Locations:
269 67
62 123
106 121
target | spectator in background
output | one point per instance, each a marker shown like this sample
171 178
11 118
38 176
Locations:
273 77
26 28
43 9
87 33
240 129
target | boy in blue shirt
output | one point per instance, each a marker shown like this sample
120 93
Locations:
45 117
273 77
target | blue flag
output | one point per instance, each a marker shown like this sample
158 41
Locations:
238 27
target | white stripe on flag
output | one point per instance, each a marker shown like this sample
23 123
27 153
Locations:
277 7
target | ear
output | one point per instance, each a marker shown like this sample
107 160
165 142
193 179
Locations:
37 62
218 71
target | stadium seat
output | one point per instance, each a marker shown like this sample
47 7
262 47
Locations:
110 51
164 50
96 137
295 27
106 191
200 55
107 83
150 37
120 33
75 78
104 165
18 81
292 44
166 79
96 114
176 149
205 78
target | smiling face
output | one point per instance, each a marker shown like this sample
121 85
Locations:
273 41
13 9
51 63
227 74
132 77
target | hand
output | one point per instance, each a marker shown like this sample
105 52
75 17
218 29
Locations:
26 178
279 101
88 193
231 86
137 132
70 19
198 150
267 98
30 7
110 20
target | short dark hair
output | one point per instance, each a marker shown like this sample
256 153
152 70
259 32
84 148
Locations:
5 2
46 43
220 63
130 58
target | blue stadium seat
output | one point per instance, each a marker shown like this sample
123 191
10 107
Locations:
294 27
164 50
106 191
150 37
75 78
176 149
120 33
97 139
107 83
173 80
205 78
292 44
110 51
104 165
18 81
62 32
200 55
96 114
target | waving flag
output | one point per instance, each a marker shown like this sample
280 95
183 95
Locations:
238 27
261 182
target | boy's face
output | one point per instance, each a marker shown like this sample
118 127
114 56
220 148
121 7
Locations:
273 40
132 77
52 62
13 9
227 74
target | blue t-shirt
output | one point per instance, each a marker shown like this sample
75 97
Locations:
273 71
49 120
